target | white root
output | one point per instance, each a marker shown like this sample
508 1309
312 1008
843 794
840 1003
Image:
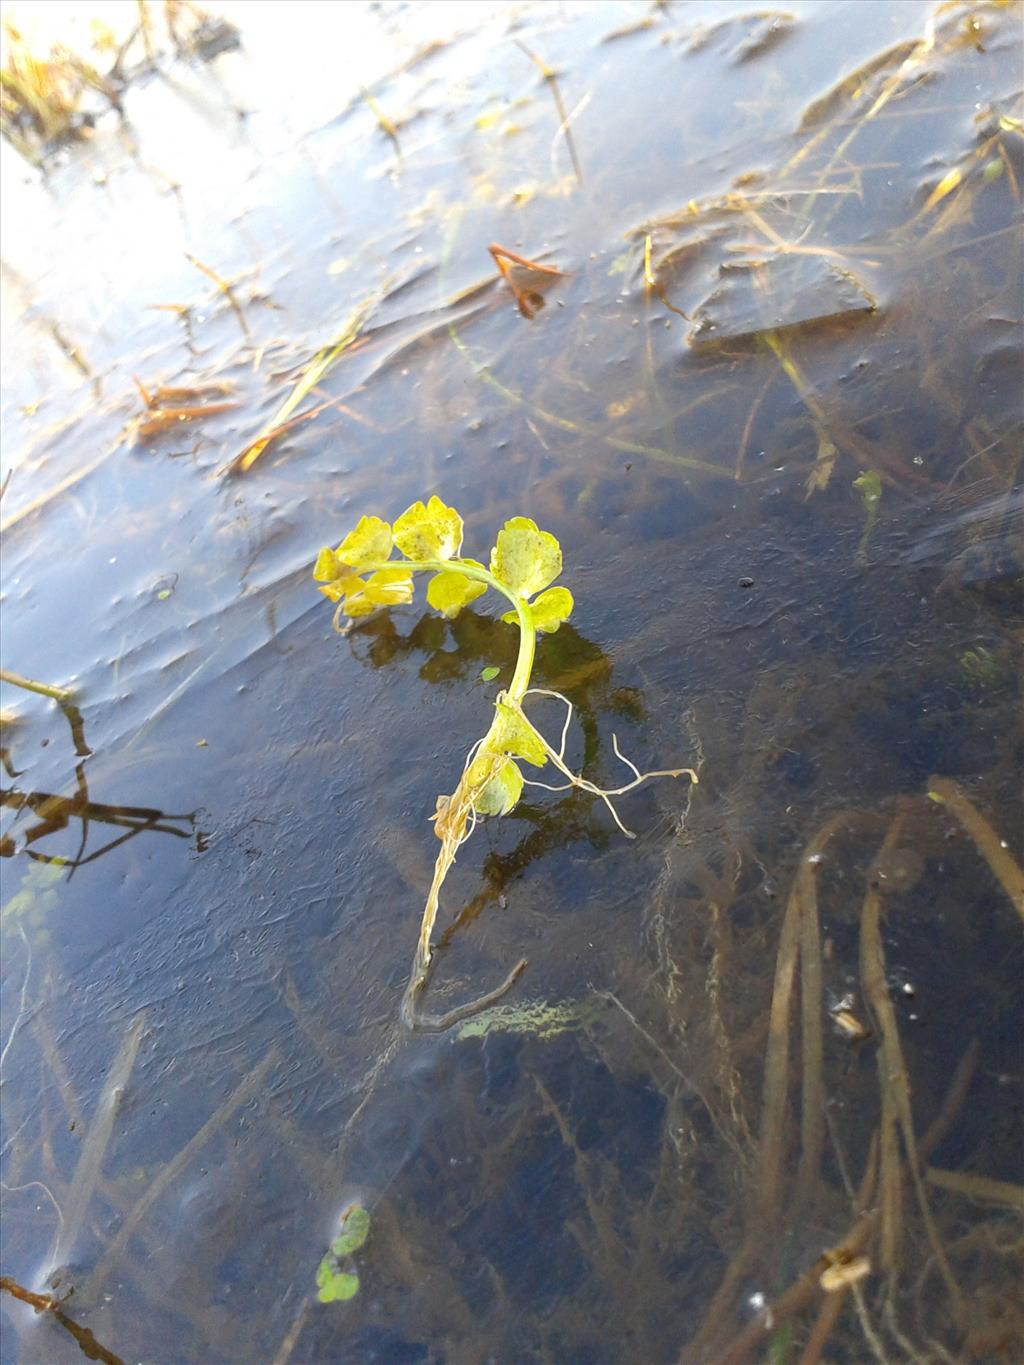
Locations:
455 820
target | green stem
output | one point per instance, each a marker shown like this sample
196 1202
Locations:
31 685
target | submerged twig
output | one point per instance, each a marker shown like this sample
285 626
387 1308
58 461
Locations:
46 1303
550 75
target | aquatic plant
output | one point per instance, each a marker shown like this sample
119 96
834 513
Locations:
361 577
336 1279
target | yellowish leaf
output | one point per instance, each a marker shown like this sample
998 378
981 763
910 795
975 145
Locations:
431 532
551 608
327 569
450 591
385 588
368 544
504 789
526 559
342 587
359 605
389 587
946 185
515 735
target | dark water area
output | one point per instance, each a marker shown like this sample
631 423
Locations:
758 1095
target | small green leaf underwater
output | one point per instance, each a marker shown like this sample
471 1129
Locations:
334 1282
333 1285
355 1228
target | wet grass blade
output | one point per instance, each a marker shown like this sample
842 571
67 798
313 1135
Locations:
322 363
892 1070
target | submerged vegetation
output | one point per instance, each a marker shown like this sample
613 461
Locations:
361 577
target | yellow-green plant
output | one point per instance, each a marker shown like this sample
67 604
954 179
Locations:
361 577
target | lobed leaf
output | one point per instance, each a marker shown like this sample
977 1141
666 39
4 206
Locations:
515 735
355 1228
526 559
334 1285
547 611
389 587
327 566
504 789
450 591
430 532
385 588
368 544
342 587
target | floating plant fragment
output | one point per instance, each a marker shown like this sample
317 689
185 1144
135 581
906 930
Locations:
524 561
869 486
335 1286
334 1282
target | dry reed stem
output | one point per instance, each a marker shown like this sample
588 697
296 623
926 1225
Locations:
742 1346
988 843
812 1121
768 1190
87 1172
804 1289
169 1173
978 1187
892 1069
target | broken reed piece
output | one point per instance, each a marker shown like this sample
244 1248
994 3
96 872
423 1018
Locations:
528 300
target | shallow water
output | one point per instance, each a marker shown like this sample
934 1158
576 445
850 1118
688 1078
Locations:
203 1066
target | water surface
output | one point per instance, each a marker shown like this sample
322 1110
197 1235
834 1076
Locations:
772 411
